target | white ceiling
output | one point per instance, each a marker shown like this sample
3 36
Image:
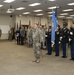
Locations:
44 6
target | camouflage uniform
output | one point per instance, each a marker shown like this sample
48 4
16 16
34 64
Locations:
43 38
10 35
29 36
37 42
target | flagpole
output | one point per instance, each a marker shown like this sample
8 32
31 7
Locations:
51 32
20 23
54 27
56 10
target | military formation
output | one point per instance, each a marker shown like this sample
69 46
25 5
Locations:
40 37
63 36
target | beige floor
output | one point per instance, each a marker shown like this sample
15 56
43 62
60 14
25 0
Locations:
17 60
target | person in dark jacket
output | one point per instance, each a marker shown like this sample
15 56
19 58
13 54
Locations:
48 40
71 40
18 35
64 38
57 40
22 35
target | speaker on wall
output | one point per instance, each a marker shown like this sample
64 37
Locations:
11 16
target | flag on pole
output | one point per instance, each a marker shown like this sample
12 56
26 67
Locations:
56 11
20 23
17 25
29 22
14 26
54 27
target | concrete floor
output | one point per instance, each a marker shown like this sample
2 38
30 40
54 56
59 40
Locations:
17 60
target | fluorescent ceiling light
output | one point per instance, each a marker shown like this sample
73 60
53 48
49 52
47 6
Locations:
51 0
61 16
64 14
39 14
9 1
8 11
20 8
37 10
72 15
54 7
68 10
69 17
12 10
70 4
34 4
1 5
26 13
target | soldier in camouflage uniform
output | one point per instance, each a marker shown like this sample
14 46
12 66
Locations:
41 33
43 37
37 43
29 36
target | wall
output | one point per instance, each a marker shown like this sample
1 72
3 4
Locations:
25 20
69 23
42 20
6 20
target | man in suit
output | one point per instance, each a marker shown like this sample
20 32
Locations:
22 34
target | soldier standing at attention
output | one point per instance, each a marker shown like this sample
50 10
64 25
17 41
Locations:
29 36
64 39
37 43
48 41
22 35
25 38
43 37
10 34
18 35
57 39
71 40
41 33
